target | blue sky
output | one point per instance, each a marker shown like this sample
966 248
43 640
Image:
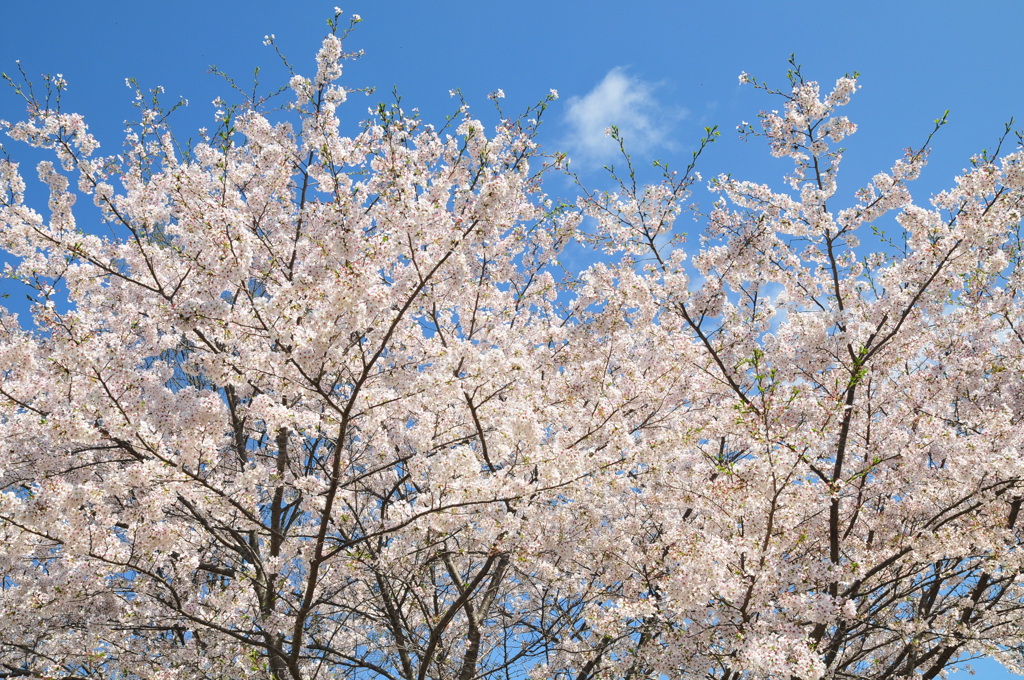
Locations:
674 62
660 69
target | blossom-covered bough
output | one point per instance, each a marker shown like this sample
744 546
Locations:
324 406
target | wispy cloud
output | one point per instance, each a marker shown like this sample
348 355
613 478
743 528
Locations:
627 102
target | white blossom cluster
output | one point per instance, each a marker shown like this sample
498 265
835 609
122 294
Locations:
323 405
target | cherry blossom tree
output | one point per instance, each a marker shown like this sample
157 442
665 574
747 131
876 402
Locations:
321 405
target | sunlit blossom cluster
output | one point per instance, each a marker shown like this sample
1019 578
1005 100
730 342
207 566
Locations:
317 404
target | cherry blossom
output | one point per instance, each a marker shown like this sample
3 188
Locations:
322 405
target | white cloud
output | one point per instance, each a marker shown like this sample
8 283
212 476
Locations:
627 102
